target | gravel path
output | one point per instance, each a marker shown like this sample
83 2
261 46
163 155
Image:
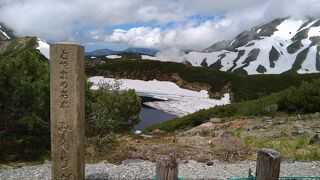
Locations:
138 169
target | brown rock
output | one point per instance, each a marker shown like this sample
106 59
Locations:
240 124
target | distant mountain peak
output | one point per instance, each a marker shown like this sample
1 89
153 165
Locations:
106 52
101 52
144 51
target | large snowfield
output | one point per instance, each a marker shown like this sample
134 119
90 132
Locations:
172 98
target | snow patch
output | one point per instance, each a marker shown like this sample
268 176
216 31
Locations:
176 100
259 30
4 33
314 31
150 57
113 56
181 106
308 65
288 28
44 48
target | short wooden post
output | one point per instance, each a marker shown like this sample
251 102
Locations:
167 168
268 164
67 111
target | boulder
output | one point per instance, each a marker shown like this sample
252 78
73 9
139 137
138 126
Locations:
315 139
279 122
297 132
157 132
215 120
145 137
227 124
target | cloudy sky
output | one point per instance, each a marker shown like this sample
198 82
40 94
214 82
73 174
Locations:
161 24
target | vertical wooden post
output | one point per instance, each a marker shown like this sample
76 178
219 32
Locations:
67 111
167 168
268 164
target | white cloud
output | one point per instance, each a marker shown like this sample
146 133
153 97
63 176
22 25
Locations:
141 36
85 21
184 36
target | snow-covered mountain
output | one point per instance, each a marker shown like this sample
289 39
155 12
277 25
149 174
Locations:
282 45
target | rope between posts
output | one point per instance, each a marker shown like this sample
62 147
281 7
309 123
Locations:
283 177
253 178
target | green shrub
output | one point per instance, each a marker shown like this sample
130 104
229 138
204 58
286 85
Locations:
24 107
109 110
305 99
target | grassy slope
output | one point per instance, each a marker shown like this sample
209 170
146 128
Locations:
244 87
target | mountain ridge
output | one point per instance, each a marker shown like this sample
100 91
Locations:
138 50
284 45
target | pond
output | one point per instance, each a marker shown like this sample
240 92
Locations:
151 116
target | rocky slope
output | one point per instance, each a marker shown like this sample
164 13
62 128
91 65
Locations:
282 45
219 148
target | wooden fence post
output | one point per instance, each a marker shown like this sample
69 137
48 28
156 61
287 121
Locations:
167 168
268 164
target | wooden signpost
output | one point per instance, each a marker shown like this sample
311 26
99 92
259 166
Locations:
67 85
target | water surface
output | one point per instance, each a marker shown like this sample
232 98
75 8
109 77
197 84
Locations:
151 116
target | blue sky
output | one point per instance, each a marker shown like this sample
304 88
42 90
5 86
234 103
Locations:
161 24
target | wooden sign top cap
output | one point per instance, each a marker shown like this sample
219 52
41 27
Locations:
66 43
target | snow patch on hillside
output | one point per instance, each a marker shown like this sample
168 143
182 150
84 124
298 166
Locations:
113 56
314 31
150 57
181 106
177 101
308 65
4 33
44 48
288 28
